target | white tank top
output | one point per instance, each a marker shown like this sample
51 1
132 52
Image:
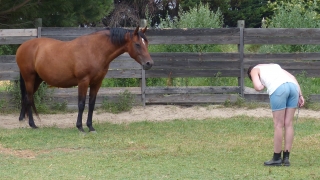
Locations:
272 76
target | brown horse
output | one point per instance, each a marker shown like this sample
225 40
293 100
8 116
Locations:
82 62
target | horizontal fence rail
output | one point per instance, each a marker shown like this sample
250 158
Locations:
182 64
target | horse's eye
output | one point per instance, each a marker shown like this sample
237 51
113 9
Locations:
138 45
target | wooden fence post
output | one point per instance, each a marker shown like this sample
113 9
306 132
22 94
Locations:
143 23
241 51
143 86
38 25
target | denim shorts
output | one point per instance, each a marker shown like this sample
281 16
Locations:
285 96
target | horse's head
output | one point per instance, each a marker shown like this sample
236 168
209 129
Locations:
138 48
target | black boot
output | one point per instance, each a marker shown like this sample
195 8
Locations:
285 160
275 161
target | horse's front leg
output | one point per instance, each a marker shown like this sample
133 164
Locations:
82 92
92 100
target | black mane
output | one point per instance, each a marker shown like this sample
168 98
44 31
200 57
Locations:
117 35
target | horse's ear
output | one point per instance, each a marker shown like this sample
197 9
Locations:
144 30
136 31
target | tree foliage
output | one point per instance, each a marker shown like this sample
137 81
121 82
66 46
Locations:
154 10
123 15
252 11
22 13
196 17
293 14
199 16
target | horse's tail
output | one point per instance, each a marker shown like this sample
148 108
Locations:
24 100
22 89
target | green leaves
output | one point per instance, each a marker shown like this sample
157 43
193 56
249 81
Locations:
21 13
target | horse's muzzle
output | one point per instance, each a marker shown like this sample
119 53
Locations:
147 65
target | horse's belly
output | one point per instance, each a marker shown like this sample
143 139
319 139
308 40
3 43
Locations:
62 84
58 79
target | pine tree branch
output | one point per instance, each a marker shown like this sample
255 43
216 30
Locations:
15 7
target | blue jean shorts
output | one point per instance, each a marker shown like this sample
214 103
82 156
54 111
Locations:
285 96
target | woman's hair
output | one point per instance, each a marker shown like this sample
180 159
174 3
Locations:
249 71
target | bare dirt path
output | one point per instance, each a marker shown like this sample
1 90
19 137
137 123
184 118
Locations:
147 113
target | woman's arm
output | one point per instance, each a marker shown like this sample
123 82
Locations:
301 99
258 86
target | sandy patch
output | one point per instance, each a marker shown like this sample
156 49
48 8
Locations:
147 113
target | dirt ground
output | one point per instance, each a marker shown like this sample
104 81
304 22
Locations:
147 113
139 113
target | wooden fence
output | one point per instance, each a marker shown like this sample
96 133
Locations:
171 65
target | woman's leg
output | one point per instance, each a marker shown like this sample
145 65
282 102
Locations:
278 123
288 129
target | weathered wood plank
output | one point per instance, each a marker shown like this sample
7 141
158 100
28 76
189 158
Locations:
191 73
194 32
8 67
285 32
179 56
282 40
68 31
7 59
115 66
305 65
282 57
295 72
196 65
121 62
190 99
123 73
71 31
18 32
102 91
209 56
14 40
257 97
315 98
193 90
73 100
9 76
309 72
126 64
70 95
193 40
175 40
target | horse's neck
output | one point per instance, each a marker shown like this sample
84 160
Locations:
114 53
111 51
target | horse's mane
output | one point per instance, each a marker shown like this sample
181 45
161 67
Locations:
117 35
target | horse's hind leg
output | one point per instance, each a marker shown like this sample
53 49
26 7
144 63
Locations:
23 99
92 100
82 92
27 98
37 83
31 83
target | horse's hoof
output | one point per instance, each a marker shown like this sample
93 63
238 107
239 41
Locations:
34 127
91 129
81 130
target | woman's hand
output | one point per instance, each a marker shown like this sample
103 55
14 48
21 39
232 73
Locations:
301 101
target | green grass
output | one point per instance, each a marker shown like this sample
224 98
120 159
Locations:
233 148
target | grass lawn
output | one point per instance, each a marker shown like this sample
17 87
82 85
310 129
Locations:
233 148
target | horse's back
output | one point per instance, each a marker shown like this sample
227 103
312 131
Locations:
45 57
65 63
28 49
